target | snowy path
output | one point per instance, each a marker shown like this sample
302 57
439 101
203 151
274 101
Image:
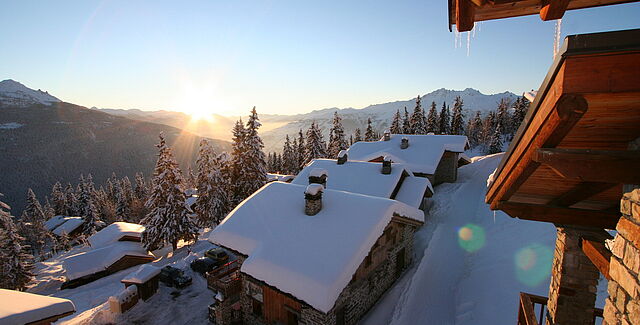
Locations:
473 267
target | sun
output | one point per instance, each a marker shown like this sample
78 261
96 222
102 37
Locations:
200 102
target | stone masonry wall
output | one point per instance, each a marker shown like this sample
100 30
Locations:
623 304
447 170
574 280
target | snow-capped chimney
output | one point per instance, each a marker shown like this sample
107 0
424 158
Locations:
318 176
342 157
386 166
387 135
313 199
404 143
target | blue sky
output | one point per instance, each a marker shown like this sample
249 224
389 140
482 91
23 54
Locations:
281 56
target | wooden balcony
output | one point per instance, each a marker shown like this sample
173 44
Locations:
532 310
226 280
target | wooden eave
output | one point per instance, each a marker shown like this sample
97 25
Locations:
464 13
569 158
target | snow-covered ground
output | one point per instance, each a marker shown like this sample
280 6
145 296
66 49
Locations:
168 306
471 263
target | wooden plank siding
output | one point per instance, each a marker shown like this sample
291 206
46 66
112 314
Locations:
276 306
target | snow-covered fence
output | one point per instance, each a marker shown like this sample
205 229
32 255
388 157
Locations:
124 300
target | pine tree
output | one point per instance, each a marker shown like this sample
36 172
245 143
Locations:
337 140
300 151
141 187
369 135
474 130
253 171
457 122
288 157
88 210
212 203
406 122
168 221
417 120
58 199
314 146
226 172
520 109
15 263
432 120
503 116
123 210
35 234
444 124
357 136
238 156
396 127
70 201
495 145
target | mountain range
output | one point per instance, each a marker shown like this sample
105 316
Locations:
44 140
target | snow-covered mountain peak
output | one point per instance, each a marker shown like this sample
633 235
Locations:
15 94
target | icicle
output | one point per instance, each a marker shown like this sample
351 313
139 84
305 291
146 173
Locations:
556 41
494 216
468 42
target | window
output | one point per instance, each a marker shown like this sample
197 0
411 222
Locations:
292 317
257 307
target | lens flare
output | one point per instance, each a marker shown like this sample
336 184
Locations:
533 264
471 237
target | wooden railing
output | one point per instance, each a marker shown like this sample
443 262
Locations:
226 279
532 305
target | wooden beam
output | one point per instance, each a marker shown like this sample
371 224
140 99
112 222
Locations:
609 166
598 254
553 9
465 15
559 215
580 193
547 130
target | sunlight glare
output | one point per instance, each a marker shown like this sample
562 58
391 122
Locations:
199 101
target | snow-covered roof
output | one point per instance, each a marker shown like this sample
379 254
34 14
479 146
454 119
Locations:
54 222
310 257
422 155
100 259
271 177
355 176
144 273
412 190
114 232
22 307
68 226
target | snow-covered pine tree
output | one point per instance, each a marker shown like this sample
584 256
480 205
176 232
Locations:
417 120
123 210
504 117
58 199
141 187
15 263
212 204
270 162
369 134
520 108
253 173
35 234
337 140
350 139
357 136
406 122
70 201
300 151
295 156
237 162
444 117
127 188
226 172
88 210
432 119
33 211
396 127
495 145
47 208
457 121
168 221
474 130
288 158
314 146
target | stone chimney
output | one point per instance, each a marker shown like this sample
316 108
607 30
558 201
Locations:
386 166
387 135
342 157
318 176
313 199
404 143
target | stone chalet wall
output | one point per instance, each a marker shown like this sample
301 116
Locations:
447 170
355 300
623 304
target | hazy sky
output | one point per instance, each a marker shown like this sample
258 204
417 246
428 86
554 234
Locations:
281 56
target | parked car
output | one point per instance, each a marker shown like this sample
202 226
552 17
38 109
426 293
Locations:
174 277
204 264
218 254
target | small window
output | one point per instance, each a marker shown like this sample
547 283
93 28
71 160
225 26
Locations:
257 307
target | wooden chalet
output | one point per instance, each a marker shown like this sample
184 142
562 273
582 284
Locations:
464 13
19 307
573 159
145 278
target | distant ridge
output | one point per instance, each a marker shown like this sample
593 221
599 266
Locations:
15 94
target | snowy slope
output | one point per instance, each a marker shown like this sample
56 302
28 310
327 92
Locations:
471 263
15 94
